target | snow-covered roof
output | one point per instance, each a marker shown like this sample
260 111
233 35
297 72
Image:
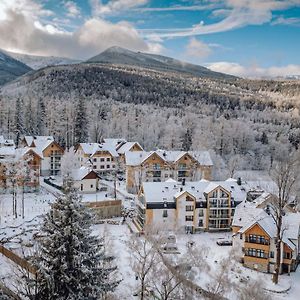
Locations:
290 226
114 142
166 191
7 151
92 148
40 142
137 157
80 173
127 146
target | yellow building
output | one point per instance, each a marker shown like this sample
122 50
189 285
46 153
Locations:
254 235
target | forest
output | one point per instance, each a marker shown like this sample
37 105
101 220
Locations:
248 123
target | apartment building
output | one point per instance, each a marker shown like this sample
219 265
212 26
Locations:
188 206
102 158
19 168
160 165
254 236
50 151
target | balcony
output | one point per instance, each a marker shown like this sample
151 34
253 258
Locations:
257 241
221 216
262 256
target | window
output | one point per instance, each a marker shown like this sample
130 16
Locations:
94 167
81 187
200 212
241 236
188 198
287 255
113 166
200 224
272 254
156 166
165 213
189 218
102 159
223 194
112 159
108 166
101 167
95 159
108 159
189 208
214 194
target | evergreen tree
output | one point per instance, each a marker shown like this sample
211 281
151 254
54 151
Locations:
264 139
71 262
19 124
41 117
29 121
187 140
81 128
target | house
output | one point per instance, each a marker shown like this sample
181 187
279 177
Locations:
188 206
85 179
102 158
20 169
127 147
50 151
254 236
160 165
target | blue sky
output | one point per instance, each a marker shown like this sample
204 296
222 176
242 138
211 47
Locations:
242 37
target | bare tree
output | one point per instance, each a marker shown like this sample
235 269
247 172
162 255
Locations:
143 258
285 173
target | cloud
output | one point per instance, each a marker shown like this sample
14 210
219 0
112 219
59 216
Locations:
239 13
286 21
254 71
198 49
72 9
114 6
23 34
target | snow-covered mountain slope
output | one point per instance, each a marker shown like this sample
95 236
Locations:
118 55
38 62
11 68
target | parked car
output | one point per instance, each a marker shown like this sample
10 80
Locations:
224 243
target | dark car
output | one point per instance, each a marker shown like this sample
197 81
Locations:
224 243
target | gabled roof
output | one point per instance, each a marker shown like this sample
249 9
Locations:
127 146
81 173
92 148
166 191
138 157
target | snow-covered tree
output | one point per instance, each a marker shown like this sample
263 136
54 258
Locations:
71 262
81 122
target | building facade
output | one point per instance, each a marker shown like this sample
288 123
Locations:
254 236
188 206
160 165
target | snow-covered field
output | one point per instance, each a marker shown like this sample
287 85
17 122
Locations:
120 234
18 235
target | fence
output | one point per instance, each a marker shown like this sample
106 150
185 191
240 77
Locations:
53 184
17 259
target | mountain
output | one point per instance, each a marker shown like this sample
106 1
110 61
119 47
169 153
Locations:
118 55
11 68
38 62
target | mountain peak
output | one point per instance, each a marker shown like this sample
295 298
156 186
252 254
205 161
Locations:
122 56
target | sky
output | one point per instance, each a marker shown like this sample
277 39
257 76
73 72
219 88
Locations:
249 38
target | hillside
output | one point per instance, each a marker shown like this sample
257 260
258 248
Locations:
37 62
159 108
11 68
118 55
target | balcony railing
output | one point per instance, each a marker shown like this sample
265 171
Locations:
257 241
222 216
263 256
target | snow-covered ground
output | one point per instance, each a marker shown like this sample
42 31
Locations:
18 235
119 235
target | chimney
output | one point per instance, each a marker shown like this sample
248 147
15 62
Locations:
239 181
183 181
